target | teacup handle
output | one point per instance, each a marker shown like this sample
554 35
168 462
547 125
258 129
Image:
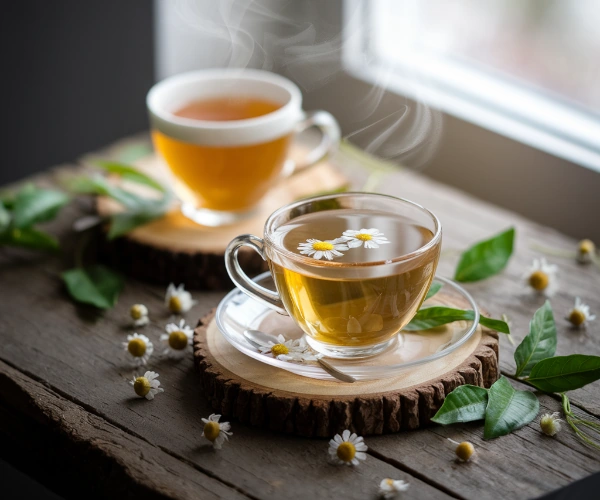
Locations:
241 279
330 136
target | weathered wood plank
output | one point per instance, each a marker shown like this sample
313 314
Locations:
95 452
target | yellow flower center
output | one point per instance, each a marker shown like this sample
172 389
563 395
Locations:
279 349
464 450
538 280
136 311
587 247
346 451
141 386
136 347
577 317
322 246
178 340
363 237
211 430
389 482
175 304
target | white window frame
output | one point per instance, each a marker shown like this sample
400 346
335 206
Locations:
473 95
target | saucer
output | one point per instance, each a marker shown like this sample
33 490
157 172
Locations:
238 312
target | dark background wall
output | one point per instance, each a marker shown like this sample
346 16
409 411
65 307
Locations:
74 77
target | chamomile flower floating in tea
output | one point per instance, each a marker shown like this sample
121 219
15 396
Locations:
139 348
288 350
146 386
580 314
550 424
217 433
318 249
139 314
541 277
347 449
177 338
389 488
586 251
370 238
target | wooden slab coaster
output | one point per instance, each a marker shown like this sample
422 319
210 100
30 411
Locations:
242 388
176 250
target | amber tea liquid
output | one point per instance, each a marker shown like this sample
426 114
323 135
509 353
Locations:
347 303
226 178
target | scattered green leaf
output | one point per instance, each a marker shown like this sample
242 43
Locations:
130 173
464 404
96 285
435 287
29 237
540 342
4 218
565 373
98 185
508 409
486 258
32 206
124 222
431 317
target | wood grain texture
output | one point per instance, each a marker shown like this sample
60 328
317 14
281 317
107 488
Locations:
75 352
322 416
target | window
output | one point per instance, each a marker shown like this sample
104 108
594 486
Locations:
527 69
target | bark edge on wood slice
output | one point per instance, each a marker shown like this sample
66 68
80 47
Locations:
174 249
324 415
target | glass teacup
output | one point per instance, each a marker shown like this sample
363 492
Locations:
351 269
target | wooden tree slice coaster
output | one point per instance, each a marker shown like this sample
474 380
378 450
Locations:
174 249
242 388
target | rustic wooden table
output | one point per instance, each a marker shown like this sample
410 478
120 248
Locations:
68 418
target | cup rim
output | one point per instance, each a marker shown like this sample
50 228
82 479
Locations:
294 103
333 264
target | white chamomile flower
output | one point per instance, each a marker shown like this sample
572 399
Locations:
580 314
541 276
178 300
139 348
347 449
216 432
371 238
550 423
139 314
586 251
318 249
177 338
146 386
389 488
288 350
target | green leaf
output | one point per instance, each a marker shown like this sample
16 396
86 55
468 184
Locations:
29 238
130 173
32 206
565 373
431 317
485 258
435 287
96 285
539 344
122 223
508 409
4 218
100 186
464 404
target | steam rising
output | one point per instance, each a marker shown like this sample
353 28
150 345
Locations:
304 41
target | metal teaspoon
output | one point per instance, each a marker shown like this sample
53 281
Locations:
258 339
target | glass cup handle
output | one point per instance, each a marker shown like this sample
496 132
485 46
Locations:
330 136
241 279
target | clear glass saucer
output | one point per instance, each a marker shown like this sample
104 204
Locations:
238 312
